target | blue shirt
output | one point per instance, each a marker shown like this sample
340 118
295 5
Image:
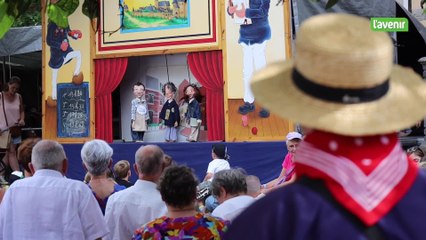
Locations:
259 30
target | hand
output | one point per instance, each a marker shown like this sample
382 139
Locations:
75 34
64 45
232 9
21 123
242 12
176 124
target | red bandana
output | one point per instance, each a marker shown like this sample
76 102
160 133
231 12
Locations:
366 175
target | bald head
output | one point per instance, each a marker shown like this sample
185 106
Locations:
253 185
149 160
47 154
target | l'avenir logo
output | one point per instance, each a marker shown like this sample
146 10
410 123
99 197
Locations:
389 24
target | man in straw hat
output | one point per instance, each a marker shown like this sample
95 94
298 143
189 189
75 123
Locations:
354 180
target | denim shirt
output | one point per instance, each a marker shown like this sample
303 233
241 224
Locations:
259 31
194 110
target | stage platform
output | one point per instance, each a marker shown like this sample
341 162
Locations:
262 159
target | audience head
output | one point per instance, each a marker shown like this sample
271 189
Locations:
24 152
292 141
149 162
13 85
416 153
96 155
229 183
220 151
48 154
87 178
178 186
122 169
253 185
422 165
168 161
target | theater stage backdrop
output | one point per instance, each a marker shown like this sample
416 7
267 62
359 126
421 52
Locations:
140 34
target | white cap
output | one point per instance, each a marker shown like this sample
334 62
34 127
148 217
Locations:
293 135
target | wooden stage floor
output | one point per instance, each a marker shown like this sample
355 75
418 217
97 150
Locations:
272 128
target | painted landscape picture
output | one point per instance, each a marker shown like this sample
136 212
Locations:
150 15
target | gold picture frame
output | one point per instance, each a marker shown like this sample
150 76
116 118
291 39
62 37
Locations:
130 27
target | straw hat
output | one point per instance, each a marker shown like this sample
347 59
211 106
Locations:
342 80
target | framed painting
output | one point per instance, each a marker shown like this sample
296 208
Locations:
146 26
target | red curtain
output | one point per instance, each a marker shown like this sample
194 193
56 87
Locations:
207 67
108 74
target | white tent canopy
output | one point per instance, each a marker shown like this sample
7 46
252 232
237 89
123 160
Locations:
21 40
20 49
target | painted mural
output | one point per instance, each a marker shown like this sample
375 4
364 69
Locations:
254 31
58 37
146 26
67 71
255 37
152 15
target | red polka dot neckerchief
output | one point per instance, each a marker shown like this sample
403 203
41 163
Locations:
366 175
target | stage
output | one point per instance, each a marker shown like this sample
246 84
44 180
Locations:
262 159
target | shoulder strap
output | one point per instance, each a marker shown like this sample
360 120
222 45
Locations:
4 111
372 232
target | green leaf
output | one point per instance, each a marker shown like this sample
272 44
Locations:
6 23
3 8
5 19
59 12
57 16
90 9
330 3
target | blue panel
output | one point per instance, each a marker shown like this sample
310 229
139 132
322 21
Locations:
262 159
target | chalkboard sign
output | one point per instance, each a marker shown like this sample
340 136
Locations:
73 110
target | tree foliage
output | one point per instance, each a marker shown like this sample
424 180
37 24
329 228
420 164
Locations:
31 16
18 13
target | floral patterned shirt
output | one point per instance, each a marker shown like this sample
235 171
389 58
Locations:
199 226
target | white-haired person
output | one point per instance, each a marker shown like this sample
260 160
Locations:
48 205
178 188
230 189
97 159
354 180
288 166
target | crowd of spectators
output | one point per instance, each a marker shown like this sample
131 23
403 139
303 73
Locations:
162 202
166 201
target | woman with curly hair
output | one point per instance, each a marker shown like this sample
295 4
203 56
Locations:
178 188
